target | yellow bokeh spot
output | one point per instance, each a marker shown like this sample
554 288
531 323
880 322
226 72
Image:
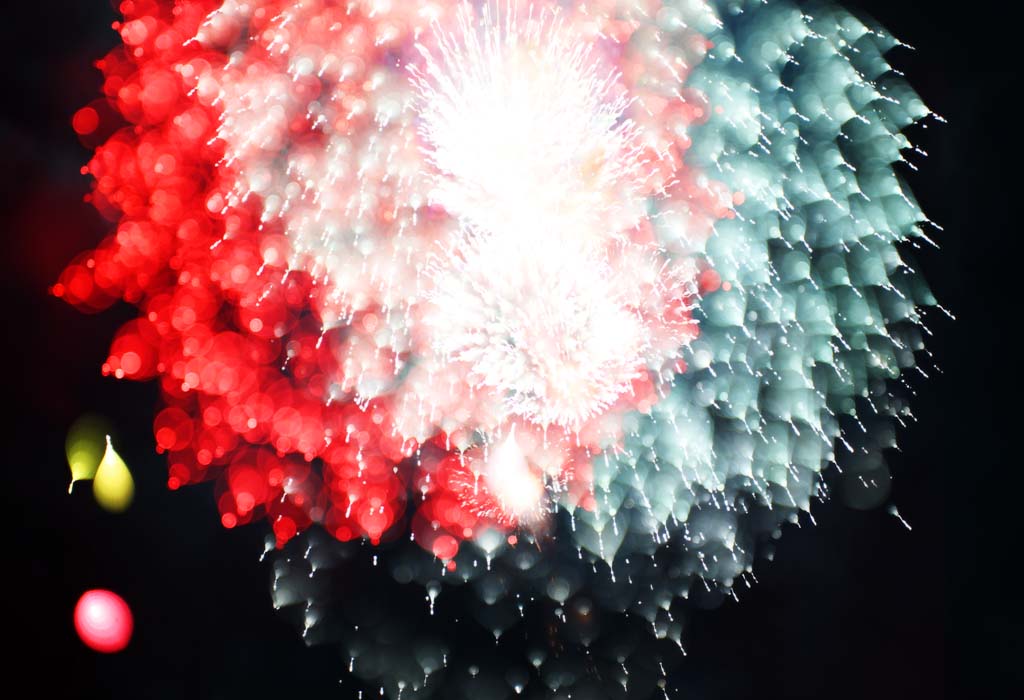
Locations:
113 485
85 445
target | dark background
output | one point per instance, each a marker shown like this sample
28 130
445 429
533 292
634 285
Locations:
855 607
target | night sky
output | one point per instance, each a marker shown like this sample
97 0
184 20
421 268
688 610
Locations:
854 607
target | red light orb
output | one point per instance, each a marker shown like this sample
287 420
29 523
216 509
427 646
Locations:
103 621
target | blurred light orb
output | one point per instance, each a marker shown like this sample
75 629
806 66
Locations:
103 621
113 485
85 447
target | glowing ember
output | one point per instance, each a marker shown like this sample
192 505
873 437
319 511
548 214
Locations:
104 621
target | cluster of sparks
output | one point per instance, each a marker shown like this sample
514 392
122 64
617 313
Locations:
353 231
453 272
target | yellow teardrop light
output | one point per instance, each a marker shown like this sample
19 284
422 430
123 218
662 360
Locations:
113 485
84 447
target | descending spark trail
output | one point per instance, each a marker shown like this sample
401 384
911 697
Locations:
563 307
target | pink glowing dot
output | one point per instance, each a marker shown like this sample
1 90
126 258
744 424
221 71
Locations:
445 547
103 621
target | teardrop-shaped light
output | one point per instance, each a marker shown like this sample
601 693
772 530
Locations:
85 446
113 485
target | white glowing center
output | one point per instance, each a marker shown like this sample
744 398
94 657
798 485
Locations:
534 157
518 488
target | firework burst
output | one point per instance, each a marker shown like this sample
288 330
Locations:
569 303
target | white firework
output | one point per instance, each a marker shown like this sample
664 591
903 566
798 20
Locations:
542 293
476 214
